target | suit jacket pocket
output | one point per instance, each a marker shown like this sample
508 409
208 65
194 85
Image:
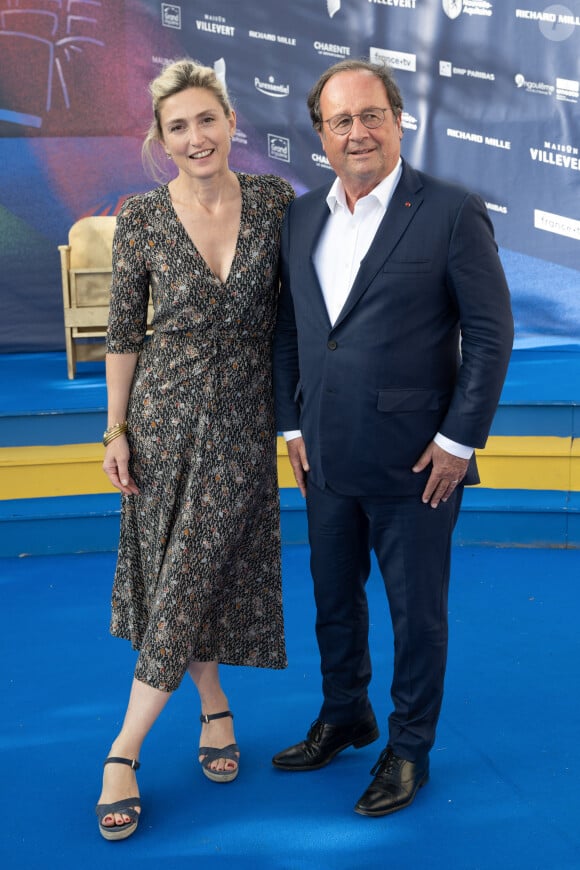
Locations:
407 266
398 401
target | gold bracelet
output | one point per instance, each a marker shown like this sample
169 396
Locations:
114 431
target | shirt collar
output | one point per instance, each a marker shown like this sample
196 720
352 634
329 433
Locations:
383 192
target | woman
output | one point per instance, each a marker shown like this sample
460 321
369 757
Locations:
190 441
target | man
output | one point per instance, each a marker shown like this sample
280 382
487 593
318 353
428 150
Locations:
393 339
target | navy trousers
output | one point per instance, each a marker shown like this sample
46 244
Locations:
412 543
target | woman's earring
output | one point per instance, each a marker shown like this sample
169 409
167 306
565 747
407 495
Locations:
168 155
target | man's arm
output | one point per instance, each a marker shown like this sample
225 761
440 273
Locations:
477 280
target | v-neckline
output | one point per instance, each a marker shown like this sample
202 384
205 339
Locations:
208 269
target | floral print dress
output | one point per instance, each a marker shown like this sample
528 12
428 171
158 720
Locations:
198 571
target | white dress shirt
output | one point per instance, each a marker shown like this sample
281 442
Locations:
344 242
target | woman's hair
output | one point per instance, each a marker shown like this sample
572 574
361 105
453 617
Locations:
174 78
380 70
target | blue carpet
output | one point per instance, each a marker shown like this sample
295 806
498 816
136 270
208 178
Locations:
505 770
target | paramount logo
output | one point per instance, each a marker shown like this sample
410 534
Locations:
270 88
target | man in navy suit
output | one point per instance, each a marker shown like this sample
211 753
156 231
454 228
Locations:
393 340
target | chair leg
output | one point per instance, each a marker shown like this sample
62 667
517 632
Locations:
71 354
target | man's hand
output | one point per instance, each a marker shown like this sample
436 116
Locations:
448 471
299 462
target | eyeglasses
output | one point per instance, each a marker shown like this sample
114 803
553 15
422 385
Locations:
370 118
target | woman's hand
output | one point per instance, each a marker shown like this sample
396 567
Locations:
116 466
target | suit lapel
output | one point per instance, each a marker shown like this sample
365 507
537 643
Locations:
405 202
307 239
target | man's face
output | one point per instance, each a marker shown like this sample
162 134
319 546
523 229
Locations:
362 158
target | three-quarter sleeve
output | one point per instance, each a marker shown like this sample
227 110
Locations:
130 281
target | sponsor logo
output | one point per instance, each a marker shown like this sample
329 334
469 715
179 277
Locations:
219 69
271 37
454 8
162 61
171 15
332 7
495 207
479 139
446 68
239 137
328 49
556 223
534 87
270 88
409 122
559 156
320 160
279 147
567 90
556 22
394 59
403 4
215 24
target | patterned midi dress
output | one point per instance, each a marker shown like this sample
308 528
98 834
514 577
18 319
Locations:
198 573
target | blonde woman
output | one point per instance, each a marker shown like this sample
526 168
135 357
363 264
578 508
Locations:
190 439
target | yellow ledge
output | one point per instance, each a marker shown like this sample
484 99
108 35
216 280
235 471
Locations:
75 469
531 462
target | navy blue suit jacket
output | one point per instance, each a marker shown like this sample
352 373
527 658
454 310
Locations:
371 391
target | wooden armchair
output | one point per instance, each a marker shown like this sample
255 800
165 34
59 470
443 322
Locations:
86 281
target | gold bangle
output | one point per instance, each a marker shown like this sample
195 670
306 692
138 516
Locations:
113 432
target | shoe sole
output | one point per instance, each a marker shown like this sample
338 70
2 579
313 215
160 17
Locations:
109 832
370 737
380 813
226 776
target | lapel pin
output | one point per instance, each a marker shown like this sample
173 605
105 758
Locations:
407 205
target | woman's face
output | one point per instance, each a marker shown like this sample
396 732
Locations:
196 132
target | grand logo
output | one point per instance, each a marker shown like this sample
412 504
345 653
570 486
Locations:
279 147
453 8
171 15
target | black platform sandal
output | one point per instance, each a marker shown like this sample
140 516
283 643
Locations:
211 753
127 806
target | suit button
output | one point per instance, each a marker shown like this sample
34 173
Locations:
332 345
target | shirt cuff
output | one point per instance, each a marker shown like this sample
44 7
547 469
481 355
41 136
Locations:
293 433
453 447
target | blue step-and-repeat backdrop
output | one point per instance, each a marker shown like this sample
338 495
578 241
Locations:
492 100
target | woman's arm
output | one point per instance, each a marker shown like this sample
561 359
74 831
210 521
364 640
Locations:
120 368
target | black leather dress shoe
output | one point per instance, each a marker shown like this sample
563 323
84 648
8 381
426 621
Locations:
325 741
395 784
